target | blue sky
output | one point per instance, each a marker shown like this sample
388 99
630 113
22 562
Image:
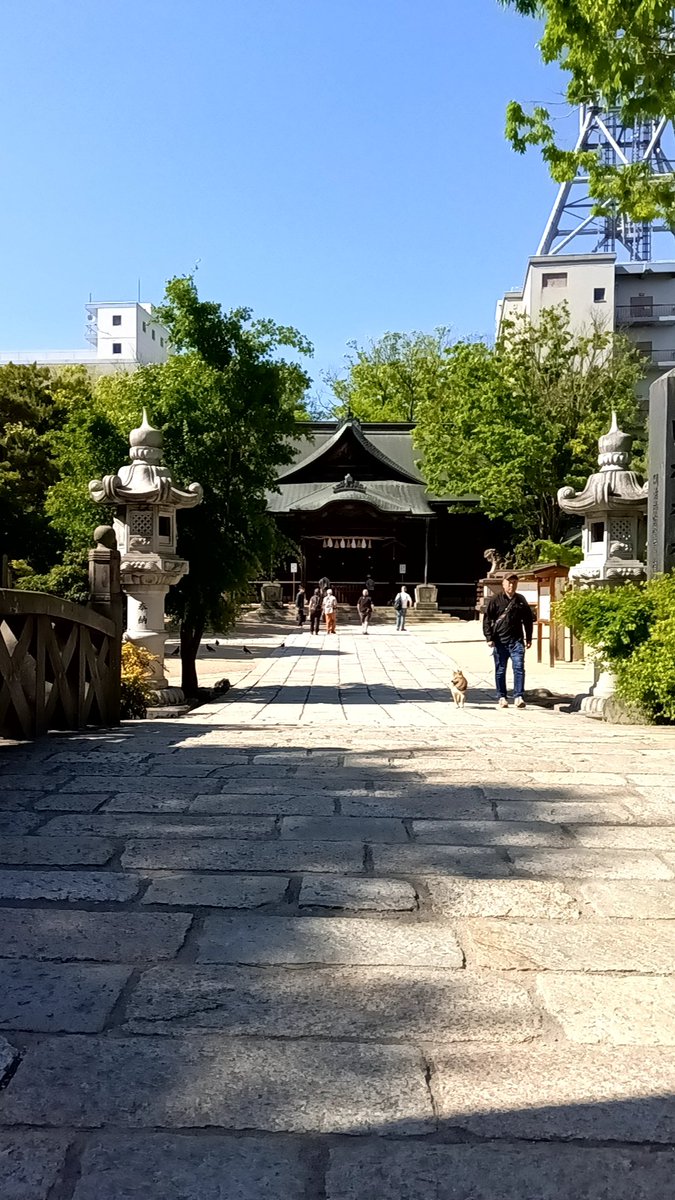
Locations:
336 166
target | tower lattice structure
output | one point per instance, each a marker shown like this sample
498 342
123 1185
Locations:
616 144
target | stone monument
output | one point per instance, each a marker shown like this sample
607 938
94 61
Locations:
613 505
145 527
661 521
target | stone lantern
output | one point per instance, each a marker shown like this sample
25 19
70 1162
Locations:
145 526
613 505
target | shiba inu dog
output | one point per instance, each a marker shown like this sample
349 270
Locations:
458 686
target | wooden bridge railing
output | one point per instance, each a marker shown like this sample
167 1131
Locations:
60 662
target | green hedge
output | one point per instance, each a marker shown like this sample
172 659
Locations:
632 629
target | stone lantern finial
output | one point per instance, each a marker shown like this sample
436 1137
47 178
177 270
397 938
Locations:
614 448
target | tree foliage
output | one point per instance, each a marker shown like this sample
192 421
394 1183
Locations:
619 54
226 401
391 377
515 422
31 409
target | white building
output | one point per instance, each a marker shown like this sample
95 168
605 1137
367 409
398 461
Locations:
123 336
635 298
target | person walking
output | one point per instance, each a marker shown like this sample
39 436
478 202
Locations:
365 607
300 606
330 611
507 626
402 602
314 609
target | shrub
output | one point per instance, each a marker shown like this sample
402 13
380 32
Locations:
136 692
632 627
541 550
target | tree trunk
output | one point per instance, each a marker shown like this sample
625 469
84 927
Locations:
190 637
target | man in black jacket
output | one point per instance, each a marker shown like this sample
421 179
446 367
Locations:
507 625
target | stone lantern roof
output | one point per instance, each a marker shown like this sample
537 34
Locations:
145 480
613 488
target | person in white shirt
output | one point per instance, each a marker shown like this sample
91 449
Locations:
330 611
402 603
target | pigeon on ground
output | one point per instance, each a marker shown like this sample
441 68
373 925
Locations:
223 685
282 645
246 650
211 649
216 642
176 652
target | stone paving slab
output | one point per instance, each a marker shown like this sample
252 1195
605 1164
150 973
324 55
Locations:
583 946
16 824
541 1092
629 1011
467 803
565 812
55 851
626 837
359 895
195 890
184 1167
366 942
501 898
438 860
48 933
376 1003
85 886
30 1164
122 826
207 1081
221 855
58 998
391 1170
630 898
8 1056
582 863
274 803
69 802
344 829
488 833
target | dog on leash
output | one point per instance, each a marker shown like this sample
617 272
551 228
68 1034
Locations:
458 686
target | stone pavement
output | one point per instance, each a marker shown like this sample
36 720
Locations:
332 939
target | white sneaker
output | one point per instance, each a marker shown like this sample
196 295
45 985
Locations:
519 702
503 702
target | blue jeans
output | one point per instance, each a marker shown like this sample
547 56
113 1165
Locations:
400 618
502 652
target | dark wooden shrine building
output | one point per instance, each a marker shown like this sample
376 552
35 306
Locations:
356 505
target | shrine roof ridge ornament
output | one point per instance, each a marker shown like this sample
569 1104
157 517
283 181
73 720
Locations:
349 484
145 480
613 486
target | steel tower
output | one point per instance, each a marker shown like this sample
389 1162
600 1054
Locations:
616 144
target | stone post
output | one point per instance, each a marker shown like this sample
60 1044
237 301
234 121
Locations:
105 595
661 517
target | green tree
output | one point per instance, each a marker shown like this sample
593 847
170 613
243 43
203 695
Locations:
32 407
518 421
618 54
391 377
226 402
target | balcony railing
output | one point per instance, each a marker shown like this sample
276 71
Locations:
626 313
662 358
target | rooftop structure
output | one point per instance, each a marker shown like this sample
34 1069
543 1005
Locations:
122 335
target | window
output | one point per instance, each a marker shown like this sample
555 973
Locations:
598 295
165 527
644 348
153 335
117 347
117 319
145 327
161 341
597 531
556 280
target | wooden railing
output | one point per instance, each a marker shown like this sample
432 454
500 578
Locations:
60 662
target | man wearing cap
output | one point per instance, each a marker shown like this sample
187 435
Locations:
507 625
